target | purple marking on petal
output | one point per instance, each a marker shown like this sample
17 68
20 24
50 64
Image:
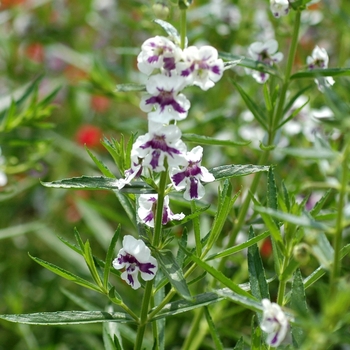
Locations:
169 63
146 268
158 143
131 279
155 159
193 187
127 258
149 217
178 177
165 98
274 339
185 73
153 59
216 70
165 217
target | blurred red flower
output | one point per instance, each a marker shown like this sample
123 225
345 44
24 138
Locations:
100 103
89 135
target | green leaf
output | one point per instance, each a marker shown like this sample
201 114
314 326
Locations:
109 257
286 196
219 276
240 344
182 306
321 249
319 205
173 272
271 190
256 338
294 114
257 278
169 29
308 153
66 274
103 168
91 264
298 304
98 183
213 331
247 302
270 223
252 106
205 140
239 247
130 87
315 73
227 171
249 63
303 220
67 317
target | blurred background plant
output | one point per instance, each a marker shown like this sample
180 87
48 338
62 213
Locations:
60 62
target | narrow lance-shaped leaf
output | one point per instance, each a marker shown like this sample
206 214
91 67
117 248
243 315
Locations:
298 304
66 274
67 317
213 331
109 257
232 170
218 275
103 168
257 278
173 272
205 140
315 73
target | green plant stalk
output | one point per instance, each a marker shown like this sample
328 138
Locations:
337 239
196 230
157 235
278 115
143 316
183 23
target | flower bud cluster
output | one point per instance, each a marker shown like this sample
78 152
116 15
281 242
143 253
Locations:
170 69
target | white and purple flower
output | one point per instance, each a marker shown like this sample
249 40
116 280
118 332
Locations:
201 67
164 102
265 52
274 323
191 175
162 141
279 7
133 172
147 209
319 59
135 257
158 53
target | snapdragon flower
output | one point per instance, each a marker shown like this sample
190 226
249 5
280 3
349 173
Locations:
279 7
319 59
162 141
135 257
265 52
274 323
164 102
147 207
201 67
158 53
190 176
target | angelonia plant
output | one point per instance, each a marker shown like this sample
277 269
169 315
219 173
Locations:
158 172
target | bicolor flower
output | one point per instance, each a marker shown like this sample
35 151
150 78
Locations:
147 209
274 323
189 178
265 52
133 172
135 257
164 102
279 7
162 141
158 53
201 67
319 59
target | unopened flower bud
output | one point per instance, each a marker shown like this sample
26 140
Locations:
161 10
301 253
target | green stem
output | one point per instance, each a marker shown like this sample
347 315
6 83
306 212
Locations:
278 115
157 234
196 230
183 23
143 316
337 239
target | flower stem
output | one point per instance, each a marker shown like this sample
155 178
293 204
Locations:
183 22
143 316
196 230
337 239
